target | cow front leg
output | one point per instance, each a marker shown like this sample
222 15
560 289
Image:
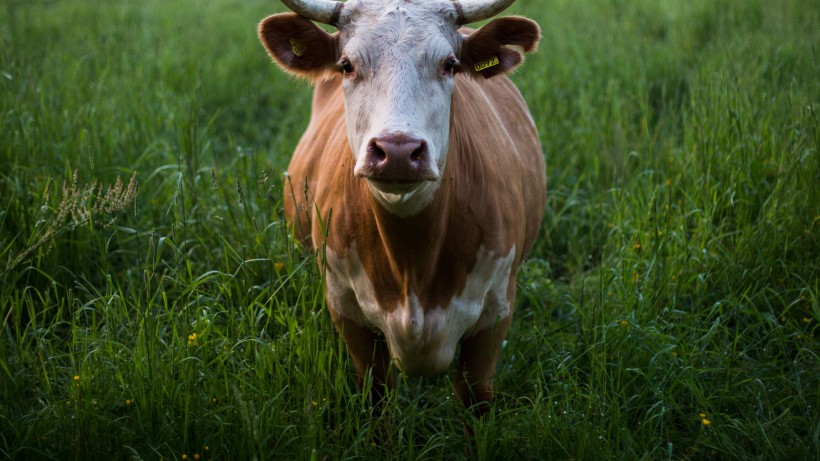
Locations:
369 352
476 366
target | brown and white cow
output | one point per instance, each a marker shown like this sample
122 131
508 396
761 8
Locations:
422 176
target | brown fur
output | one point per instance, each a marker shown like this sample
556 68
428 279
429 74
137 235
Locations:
494 175
492 195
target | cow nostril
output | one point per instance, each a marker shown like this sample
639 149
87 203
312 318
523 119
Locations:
375 152
417 154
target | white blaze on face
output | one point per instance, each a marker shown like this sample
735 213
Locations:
399 85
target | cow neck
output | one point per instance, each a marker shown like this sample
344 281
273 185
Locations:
412 243
416 255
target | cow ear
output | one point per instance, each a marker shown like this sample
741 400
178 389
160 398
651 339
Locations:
298 45
497 47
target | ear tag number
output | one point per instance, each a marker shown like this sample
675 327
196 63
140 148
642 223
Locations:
297 47
489 62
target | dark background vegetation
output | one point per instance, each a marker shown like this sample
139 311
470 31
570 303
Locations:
668 311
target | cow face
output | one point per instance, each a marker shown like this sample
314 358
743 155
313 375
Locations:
398 60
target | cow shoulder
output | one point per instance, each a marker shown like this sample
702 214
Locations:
497 162
313 168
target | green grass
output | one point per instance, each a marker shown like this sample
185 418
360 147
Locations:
677 280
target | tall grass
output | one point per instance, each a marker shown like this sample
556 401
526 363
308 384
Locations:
668 311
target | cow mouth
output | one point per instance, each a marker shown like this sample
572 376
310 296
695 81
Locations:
395 185
397 182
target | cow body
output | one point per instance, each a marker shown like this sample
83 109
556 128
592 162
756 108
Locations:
424 260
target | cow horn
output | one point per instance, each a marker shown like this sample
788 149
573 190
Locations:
323 11
474 11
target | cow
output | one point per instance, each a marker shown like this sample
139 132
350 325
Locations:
420 179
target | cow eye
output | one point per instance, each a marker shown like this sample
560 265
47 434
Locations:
450 64
346 66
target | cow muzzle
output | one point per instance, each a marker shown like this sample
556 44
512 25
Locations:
397 160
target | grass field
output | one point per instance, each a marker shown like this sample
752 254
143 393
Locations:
669 310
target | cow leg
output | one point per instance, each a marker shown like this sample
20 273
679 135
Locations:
369 352
476 366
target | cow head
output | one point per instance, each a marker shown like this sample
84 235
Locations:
398 60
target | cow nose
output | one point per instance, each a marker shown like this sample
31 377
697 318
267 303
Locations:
397 148
397 157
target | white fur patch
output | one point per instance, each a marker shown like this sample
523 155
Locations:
407 203
397 50
422 343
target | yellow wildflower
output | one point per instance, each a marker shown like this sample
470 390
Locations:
192 339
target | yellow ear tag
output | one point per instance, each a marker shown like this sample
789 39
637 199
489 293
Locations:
489 62
297 47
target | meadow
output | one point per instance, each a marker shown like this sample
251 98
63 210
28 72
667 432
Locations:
154 304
